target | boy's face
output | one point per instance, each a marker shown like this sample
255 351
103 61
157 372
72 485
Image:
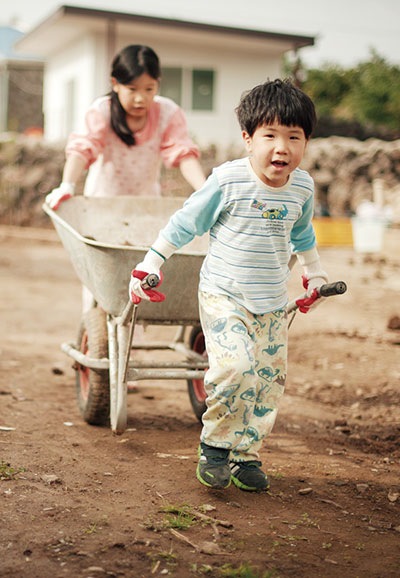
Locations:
275 151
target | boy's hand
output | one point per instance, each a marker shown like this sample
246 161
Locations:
312 299
140 286
139 289
62 193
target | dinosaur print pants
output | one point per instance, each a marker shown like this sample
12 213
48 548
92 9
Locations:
247 356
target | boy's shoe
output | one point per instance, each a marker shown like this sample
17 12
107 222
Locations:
249 476
213 468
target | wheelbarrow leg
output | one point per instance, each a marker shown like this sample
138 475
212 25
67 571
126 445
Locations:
118 339
120 334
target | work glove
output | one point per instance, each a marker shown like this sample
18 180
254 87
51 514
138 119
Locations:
160 251
140 289
312 298
62 193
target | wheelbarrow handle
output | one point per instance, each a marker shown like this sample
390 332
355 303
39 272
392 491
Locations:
326 290
335 288
150 281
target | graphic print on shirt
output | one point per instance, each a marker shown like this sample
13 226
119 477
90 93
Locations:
272 217
272 213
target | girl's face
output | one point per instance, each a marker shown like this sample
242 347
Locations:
275 151
137 96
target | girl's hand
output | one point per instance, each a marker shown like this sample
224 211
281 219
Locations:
62 193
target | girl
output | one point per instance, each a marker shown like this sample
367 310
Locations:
128 134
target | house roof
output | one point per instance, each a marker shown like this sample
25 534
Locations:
68 22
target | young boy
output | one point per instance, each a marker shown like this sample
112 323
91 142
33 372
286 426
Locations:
258 212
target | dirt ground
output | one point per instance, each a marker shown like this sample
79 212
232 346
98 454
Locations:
77 501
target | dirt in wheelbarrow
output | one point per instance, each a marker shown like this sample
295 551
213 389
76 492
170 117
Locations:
77 501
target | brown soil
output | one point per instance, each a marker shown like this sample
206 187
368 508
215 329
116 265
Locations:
78 501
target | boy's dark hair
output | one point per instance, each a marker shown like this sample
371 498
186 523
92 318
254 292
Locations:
130 63
276 101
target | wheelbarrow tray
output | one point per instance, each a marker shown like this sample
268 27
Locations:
106 237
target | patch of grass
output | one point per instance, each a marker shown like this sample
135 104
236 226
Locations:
178 517
326 545
7 472
202 569
94 527
245 570
292 538
152 525
168 557
307 521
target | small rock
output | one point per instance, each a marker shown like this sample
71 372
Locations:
393 496
362 488
336 383
210 548
57 371
208 508
343 429
305 491
394 323
340 422
234 504
51 479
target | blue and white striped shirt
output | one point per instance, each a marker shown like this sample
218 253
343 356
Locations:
253 231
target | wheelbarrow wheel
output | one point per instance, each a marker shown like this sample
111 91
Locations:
93 385
197 393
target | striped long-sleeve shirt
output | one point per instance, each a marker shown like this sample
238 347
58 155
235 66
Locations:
253 231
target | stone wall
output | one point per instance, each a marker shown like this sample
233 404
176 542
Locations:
29 169
346 172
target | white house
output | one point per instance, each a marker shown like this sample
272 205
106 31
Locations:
205 67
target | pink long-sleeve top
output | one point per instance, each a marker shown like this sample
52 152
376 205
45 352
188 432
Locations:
119 169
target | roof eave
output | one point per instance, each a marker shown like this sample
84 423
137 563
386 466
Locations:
28 42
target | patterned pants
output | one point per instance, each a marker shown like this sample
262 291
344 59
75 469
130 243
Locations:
247 370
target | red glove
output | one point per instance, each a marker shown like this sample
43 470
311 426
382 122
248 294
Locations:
306 303
138 292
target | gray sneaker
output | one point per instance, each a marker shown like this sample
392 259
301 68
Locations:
248 476
213 468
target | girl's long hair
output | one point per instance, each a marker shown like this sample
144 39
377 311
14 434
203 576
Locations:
130 63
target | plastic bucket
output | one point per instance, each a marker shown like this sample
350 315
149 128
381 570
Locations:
368 234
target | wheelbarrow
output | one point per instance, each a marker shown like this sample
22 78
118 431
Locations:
105 238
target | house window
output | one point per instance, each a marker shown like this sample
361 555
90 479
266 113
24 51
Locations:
202 89
171 84
191 89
